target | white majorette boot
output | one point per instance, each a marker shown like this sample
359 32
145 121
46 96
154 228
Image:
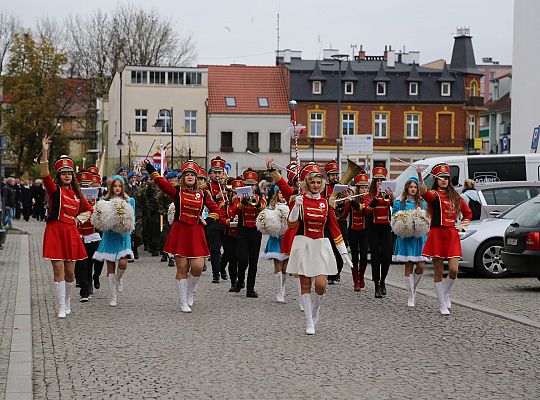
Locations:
182 292
61 296
448 283
69 288
439 288
417 278
298 293
112 289
279 281
119 281
310 326
284 276
317 308
409 281
191 285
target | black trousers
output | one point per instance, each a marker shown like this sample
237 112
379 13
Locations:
229 257
84 268
248 245
358 241
27 212
380 246
214 237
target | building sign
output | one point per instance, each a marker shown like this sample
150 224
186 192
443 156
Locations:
536 134
357 145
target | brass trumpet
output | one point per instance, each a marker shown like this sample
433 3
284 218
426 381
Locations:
253 201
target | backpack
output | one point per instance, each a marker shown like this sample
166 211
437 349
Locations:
476 209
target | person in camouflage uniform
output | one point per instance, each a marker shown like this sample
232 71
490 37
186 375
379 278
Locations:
151 217
131 189
163 202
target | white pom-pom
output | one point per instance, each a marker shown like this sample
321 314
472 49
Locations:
421 223
272 222
402 224
170 213
115 215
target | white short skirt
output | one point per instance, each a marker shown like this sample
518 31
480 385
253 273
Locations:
311 257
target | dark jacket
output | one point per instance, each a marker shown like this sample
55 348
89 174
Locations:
9 196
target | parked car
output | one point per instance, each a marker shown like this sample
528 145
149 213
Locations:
522 242
483 242
496 197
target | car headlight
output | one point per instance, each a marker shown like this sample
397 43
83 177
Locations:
465 235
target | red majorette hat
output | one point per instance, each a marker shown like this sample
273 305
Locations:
96 179
310 169
332 167
190 166
64 164
202 173
250 177
217 164
93 170
441 170
292 172
379 173
237 183
84 178
361 180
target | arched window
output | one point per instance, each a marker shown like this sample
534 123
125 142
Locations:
474 89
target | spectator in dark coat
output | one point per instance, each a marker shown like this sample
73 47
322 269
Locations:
26 199
38 195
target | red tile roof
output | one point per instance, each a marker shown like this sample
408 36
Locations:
246 84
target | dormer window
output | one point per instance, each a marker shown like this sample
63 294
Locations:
230 101
263 101
381 88
445 89
413 88
316 87
349 88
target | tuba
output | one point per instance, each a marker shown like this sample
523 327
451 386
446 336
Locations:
353 169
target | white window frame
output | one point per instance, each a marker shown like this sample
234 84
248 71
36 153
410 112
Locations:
415 86
316 87
472 126
155 78
448 91
383 86
190 122
349 87
412 125
263 102
175 75
380 121
349 121
316 124
141 77
166 117
141 116
474 89
230 101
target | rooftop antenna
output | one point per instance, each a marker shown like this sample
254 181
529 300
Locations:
353 47
278 31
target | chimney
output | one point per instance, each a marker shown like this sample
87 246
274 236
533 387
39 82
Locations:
361 53
391 58
328 53
385 52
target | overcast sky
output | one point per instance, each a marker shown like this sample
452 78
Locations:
244 31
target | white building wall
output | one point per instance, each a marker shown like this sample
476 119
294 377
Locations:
240 125
525 77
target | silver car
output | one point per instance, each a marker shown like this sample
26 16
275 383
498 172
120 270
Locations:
483 242
497 197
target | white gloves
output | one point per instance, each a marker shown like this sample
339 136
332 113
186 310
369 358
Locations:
299 200
346 260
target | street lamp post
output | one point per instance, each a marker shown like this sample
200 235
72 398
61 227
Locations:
339 58
160 124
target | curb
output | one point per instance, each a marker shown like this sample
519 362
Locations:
19 375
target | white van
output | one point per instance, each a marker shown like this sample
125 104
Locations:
481 168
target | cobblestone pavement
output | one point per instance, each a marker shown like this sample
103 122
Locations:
234 347
9 259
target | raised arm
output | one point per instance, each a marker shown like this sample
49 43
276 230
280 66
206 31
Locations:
162 183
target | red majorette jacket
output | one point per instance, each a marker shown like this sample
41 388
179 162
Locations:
189 203
64 204
328 190
247 215
314 216
229 216
357 215
214 190
379 207
443 211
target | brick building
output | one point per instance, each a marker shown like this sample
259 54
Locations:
412 111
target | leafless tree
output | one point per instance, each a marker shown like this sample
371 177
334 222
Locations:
9 25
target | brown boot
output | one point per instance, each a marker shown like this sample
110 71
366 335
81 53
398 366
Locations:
361 272
356 279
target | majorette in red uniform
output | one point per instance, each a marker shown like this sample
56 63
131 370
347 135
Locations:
288 189
311 253
443 243
380 233
215 231
248 238
355 211
186 240
229 238
61 241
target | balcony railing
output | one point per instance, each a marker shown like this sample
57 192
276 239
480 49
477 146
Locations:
475 101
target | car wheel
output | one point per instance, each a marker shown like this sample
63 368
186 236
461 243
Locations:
488 261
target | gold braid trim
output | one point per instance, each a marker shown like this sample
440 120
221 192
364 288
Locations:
154 175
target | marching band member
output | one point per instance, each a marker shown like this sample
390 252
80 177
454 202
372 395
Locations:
96 265
311 253
358 235
186 240
229 239
380 233
288 189
443 243
408 249
68 208
248 238
275 221
203 185
215 231
91 240
115 245
163 201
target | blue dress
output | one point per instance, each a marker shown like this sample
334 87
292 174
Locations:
114 245
408 249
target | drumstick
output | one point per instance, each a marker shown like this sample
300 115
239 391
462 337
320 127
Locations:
265 159
412 165
150 149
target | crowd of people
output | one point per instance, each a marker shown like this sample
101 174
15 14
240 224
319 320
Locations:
22 198
193 215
